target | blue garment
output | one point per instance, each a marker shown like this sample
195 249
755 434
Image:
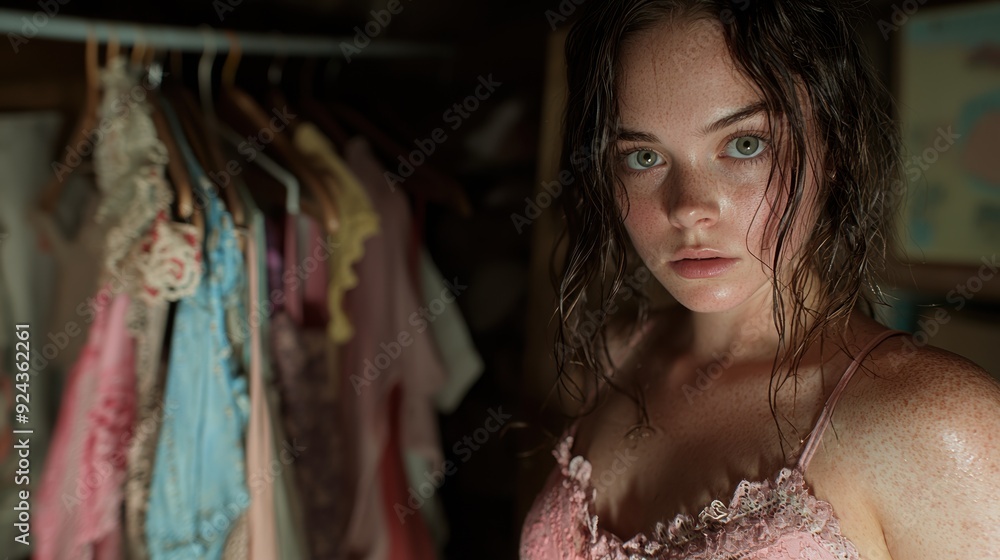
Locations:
199 487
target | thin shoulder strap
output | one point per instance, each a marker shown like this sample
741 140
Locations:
824 418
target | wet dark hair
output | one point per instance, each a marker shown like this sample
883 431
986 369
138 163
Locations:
787 49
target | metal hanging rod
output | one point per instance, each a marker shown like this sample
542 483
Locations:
23 25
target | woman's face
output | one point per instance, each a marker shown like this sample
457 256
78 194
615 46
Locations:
694 161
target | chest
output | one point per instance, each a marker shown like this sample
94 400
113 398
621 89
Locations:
703 442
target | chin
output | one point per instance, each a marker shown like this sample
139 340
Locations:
715 295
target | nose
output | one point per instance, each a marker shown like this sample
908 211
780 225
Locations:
692 201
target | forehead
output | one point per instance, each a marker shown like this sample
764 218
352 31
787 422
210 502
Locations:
679 74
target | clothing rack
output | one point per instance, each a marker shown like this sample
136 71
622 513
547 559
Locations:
62 27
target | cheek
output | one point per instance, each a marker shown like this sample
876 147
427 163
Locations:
647 222
765 225
644 226
753 213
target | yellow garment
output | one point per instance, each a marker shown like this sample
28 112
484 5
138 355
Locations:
358 222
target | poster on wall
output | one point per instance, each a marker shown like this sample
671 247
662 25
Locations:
949 105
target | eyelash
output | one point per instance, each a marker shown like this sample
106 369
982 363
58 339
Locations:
738 134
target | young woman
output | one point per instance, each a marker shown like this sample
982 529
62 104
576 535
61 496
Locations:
743 150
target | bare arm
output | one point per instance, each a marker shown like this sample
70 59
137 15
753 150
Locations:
936 486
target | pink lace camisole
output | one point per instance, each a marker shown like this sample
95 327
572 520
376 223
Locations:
777 519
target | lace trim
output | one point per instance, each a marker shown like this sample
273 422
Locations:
359 221
129 161
758 514
167 262
158 260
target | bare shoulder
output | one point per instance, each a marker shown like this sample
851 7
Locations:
925 425
903 388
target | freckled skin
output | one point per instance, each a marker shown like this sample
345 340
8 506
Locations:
699 196
911 463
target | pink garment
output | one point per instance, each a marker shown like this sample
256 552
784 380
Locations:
409 537
263 525
765 520
392 348
79 509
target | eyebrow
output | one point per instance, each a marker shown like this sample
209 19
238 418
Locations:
629 135
735 117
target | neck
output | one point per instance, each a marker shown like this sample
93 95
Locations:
745 333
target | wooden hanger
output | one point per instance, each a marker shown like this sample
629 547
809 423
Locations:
247 117
144 57
276 97
176 168
193 124
192 121
210 131
86 123
138 51
111 52
425 181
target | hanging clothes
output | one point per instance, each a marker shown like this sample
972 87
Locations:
359 221
275 519
151 374
156 259
463 366
309 406
152 259
451 337
132 204
81 491
259 516
391 348
78 261
199 489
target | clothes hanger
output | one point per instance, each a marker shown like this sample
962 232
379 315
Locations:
139 51
211 129
277 98
245 116
292 202
297 231
321 214
149 59
176 170
426 181
190 120
193 124
112 49
52 191
274 172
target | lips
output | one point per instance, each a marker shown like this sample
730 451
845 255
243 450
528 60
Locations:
700 263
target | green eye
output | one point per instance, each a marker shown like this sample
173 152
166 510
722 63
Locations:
745 147
642 159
